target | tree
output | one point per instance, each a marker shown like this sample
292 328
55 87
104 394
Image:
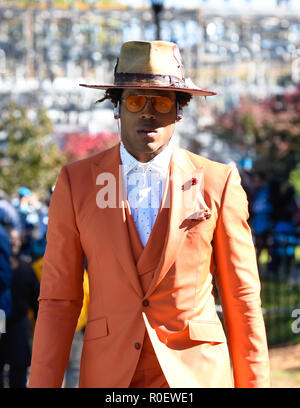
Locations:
294 179
28 155
269 131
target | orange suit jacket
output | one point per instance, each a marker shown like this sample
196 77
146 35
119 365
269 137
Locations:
188 338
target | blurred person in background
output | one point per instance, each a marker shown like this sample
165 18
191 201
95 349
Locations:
39 239
262 210
29 219
5 272
23 204
15 343
8 214
285 232
153 231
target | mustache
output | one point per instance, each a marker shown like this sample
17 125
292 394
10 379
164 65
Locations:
146 125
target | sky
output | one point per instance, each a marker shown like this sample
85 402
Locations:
258 4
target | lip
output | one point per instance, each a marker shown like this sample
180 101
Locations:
148 132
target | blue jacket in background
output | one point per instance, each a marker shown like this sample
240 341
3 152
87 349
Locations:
5 272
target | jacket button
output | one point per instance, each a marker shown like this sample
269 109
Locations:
146 302
137 346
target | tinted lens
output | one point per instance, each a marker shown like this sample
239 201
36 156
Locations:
162 104
135 103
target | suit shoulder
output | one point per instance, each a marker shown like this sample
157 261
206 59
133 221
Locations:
95 158
208 164
216 174
80 166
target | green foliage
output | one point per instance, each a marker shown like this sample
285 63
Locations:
28 155
294 178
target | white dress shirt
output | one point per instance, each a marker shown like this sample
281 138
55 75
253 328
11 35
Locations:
145 183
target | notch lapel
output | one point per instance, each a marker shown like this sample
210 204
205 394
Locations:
181 202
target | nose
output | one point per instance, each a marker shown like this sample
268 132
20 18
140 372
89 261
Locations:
148 111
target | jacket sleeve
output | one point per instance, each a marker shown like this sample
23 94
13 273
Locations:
238 286
61 290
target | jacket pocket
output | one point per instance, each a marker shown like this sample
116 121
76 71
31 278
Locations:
95 329
206 330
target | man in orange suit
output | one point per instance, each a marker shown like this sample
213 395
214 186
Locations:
155 223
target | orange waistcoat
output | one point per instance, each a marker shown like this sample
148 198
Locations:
148 359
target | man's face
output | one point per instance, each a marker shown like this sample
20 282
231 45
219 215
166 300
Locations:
147 132
16 243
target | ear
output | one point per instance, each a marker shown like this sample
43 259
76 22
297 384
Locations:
117 111
179 112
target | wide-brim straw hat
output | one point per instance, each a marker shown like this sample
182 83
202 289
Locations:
151 65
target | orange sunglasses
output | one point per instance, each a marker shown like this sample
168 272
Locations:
135 103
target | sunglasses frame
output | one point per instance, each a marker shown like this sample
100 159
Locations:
147 98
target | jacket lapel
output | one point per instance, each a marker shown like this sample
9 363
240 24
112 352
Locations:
112 219
181 198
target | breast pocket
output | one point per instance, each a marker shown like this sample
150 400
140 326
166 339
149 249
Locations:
206 330
200 235
197 226
96 329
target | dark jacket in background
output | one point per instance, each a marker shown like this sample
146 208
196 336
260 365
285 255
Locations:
25 289
5 272
14 344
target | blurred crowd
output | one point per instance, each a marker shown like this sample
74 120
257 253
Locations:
274 219
274 210
23 227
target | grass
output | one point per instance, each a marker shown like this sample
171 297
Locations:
285 378
280 296
279 330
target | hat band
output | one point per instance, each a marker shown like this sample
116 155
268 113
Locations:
147 79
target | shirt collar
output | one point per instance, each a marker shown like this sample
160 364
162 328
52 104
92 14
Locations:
159 163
